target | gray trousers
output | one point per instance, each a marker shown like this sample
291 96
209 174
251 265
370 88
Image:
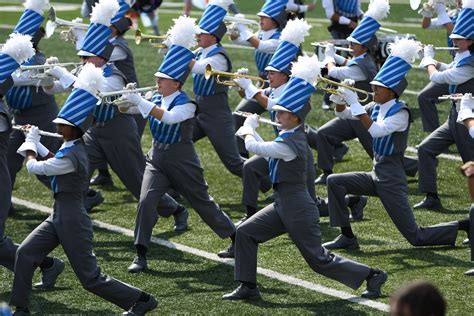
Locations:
471 237
293 212
447 134
394 197
256 176
69 226
214 120
176 167
427 101
41 116
250 106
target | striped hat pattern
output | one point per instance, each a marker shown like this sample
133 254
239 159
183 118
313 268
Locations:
296 94
124 7
464 27
212 18
364 32
29 22
176 64
282 58
392 72
77 108
272 8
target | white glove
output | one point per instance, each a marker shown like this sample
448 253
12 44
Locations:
46 82
251 91
25 147
252 121
244 131
244 83
33 135
243 71
31 141
57 72
330 51
349 96
129 109
466 109
428 51
245 33
426 61
427 10
52 60
134 98
337 99
42 150
240 16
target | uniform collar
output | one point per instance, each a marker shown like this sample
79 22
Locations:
283 131
267 34
168 99
461 56
278 90
207 50
69 143
386 106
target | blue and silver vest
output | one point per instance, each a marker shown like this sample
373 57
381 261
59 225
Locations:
75 181
261 58
367 64
175 133
467 87
203 87
126 66
105 111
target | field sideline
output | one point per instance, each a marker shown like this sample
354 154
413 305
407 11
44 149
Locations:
188 284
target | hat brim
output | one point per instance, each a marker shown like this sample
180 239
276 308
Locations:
83 53
353 40
59 120
378 83
263 14
457 36
270 68
280 108
163 75
202 31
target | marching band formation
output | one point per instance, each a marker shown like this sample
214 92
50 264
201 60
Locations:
100 126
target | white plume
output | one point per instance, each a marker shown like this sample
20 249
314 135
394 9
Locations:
39 6
378 9
183 32
406 49
307 68
295 31
19 47
90 79
224 4
104 11
468 4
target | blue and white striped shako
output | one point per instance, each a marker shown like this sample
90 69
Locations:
272 8
124 7
347 8
175 63
464 27
77 108
96 40
364 31
282 58
295 97
8 66
392 72
212 18
29 23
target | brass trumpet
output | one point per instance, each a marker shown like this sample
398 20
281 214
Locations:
230 83
321 82
55 22
154 40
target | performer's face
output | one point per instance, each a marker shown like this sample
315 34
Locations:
267 24
205 40
382 94
357 49
166 87
287 120
68 132
277 78
462 44
95 60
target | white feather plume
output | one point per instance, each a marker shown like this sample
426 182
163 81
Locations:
378 9
406 49
307 68
39 6
19 47
183 32
224 4
104 11
468 4
90 79
295 31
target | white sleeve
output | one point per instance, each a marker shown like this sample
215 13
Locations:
50 167
218 62
57 88
113 83
292 6
118 54
179 113
394 123
435 24
269 149
456 75
345 72
268 46
328 6
444 66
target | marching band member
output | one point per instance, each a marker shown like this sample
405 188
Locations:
388 124
362 69
69 225
214 117
272 21
428 97
299 8
16 51
343 15
460 77
294 211
172 161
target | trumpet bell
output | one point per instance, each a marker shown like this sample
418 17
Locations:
50 27
415 4
153 39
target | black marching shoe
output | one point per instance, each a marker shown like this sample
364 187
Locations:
141 308
21 312
342 242
181 221
139 264
243 292
374 284
49 275
101 179
92 199
469 272
228 253
430 203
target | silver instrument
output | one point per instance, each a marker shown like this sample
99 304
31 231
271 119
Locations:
339 48
233 19
24 128
454 97
113 97
260 119
38 72
55 22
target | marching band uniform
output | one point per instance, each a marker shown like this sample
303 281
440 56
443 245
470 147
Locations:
460 77
172 161
214 117
389 126
70 225
343 15
294 211
267 44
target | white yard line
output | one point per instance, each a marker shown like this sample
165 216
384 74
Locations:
210 256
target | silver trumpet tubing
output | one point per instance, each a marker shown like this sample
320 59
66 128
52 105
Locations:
454 97
233 19
260 119
37 72
342 49
438 47
114 97
24 128
55 22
